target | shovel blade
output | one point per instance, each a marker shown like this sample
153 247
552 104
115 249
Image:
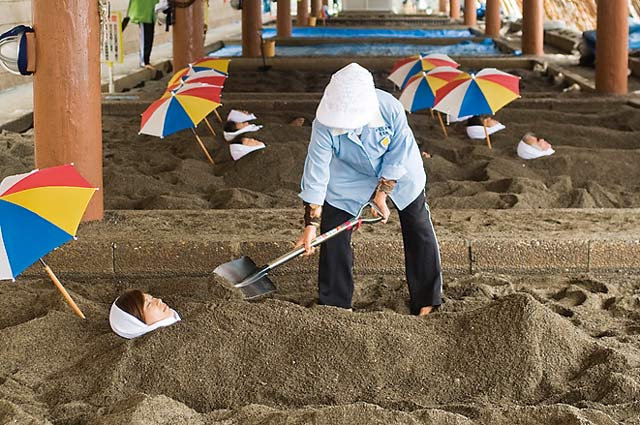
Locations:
246 276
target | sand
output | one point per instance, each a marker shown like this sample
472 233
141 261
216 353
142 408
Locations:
501 350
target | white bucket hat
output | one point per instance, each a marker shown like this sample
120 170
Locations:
349 100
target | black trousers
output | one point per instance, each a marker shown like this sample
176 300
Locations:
146 42
421 254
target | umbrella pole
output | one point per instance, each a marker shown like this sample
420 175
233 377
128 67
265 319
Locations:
431 110
487 134
209 125
63 291
444 130
206 152
218 115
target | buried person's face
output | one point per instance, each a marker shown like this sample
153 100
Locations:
155 310
536 142
240 125
248 141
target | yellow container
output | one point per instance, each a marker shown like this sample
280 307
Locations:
312 21
269 48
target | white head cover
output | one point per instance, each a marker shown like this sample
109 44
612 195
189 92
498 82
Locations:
128 326
239 150
349 100
477 131
526 151
238 116
230 135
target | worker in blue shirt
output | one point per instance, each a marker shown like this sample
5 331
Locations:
361 148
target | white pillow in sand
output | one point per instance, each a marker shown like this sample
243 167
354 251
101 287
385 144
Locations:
526 151
239 150
128 326
477 131
238 116
229 136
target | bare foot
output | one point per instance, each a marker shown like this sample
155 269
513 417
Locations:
150 67
297 122
425 310
426 155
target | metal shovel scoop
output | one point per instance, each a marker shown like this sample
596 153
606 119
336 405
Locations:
253 280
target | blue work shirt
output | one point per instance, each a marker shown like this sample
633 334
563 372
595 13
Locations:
343 168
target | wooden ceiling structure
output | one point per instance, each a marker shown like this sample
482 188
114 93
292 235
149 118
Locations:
577 14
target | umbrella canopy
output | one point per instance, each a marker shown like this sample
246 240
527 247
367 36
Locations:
39 211
419 93
217 64
180 109
405 69
483 93
188 75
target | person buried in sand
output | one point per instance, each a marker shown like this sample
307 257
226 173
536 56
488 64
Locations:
361 146
135 313
476 125
243 145
238 123
532 147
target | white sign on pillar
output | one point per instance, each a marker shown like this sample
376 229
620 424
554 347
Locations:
111 41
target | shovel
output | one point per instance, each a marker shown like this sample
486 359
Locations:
253 280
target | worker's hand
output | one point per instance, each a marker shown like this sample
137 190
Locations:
307 236
380 199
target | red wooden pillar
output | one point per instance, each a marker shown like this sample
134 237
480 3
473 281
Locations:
454 9
470 18
302 20
492 18
532 27
251 28
188 35
442 6
612 47
283 20
66 91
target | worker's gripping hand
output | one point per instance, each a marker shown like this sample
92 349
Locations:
307 236
380 199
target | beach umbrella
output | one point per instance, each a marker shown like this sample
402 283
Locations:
180 109
404 69
39 211
419 93
210 77
188 75
221 65
207 76
475 94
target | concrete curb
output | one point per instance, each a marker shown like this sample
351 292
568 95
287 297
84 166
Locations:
143 255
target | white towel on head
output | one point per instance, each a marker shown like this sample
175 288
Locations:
526 151
451 118
239 150
229 136
238 116
129 326
477 131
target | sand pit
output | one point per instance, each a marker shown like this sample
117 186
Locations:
502 349
542 350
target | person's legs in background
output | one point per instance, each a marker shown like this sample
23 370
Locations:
422 256
146 43
335 276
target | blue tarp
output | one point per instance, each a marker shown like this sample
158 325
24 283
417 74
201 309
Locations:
634 37
332 32
465 48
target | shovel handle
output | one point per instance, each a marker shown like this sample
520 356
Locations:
353 223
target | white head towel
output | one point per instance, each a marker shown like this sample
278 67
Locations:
477 131
229 136
238 116
239 150
128 326
526 151
451 118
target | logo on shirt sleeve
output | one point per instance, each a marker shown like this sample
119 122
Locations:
385 142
